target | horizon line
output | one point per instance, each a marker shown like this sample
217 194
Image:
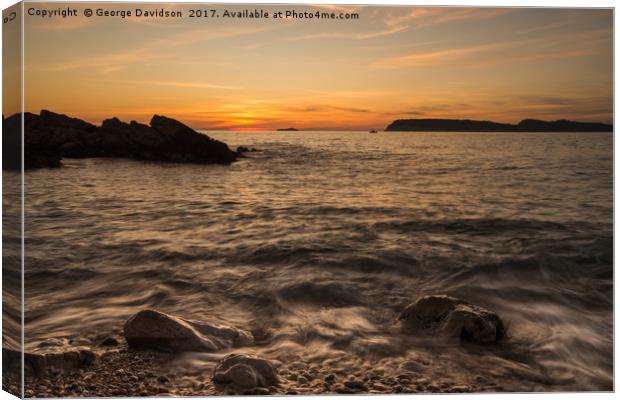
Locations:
319 129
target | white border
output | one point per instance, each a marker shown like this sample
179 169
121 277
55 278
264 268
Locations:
484 3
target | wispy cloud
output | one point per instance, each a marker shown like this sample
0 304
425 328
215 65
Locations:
486 54
434 57
153 51
338 7
350 35
326 108
425 17
191 85
414 18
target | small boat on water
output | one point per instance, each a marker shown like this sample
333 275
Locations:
372 131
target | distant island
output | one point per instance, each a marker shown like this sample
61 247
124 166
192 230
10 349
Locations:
287 130
468 125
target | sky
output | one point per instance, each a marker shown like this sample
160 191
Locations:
500 64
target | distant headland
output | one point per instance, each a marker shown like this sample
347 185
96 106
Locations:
287 130
468 125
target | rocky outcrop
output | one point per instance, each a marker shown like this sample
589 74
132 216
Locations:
452 317
245 372
156 330
48 137
243 149
468 125
37 155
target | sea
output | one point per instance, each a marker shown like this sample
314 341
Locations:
321 238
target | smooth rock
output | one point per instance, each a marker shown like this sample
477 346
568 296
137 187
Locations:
245 372
452 317
154 329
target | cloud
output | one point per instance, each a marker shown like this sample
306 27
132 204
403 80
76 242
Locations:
326 108
152 51
338 7
435 57
350 35
418 113
484 54
192 85
353 109
425 17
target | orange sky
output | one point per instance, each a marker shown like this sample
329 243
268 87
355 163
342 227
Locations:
393 62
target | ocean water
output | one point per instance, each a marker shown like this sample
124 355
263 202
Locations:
319 239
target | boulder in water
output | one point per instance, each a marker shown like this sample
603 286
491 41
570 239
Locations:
245 372
452 317
154 329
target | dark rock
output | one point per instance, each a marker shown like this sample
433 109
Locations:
191 145
245 372
244 149
153 329
38 155
452 317
60 121
109 342
354 384
49 136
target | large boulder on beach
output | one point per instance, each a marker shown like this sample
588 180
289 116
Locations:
156 330
448 316
245 372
